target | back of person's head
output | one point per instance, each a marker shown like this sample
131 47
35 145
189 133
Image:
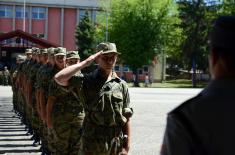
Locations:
222 40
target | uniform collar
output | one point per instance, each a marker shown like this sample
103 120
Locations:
98 74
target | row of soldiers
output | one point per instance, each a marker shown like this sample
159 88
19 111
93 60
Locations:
56 126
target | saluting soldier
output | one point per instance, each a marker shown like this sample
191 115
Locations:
106 127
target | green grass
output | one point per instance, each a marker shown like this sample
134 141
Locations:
180 83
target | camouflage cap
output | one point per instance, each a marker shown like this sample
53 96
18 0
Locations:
72 54
20 58
28 51
59 51
107 48
34 50
50 50
43 51
38 51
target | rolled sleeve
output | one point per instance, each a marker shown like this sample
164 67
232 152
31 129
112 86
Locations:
127 109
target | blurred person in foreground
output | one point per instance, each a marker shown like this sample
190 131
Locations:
204 125
105 97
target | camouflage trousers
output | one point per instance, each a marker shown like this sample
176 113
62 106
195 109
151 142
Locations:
98 140
66 133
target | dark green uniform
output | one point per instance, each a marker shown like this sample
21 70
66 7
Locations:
107 107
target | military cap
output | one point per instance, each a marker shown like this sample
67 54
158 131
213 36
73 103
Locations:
43 51
223 33
72 54
59 51
50 50
107 48
28 51
38 51
20 58
34 50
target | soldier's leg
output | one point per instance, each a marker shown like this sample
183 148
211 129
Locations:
75 136
62 131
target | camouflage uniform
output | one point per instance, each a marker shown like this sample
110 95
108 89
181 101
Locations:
15 84
67 116
67 119
52 137
32 79
107 108
40 89
6 75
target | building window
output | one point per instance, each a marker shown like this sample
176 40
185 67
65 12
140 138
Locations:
117 68
82 14
140 71
7 41
38 13
40 35
6 11
125 68
20 12
94 16
146 69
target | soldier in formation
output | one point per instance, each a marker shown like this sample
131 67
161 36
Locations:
106 102
70 113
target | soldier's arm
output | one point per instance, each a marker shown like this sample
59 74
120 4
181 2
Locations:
38 101
27 87
64 75
127 135
49 107
43 105
29 97
127 113
24 85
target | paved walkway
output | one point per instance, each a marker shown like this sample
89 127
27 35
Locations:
13 137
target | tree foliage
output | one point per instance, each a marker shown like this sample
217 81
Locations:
197 19
85 37
135 26
228 7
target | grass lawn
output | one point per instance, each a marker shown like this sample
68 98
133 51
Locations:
180 83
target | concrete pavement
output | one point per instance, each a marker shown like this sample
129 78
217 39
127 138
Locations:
13 137
150 108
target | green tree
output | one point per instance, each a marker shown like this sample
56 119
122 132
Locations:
197 17
135 28
85 37
228 7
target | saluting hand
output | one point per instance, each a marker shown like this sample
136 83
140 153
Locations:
92 58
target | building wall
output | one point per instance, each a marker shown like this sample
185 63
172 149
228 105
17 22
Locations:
54 25
38 26
19 24
70 16
58 26
5 24
71 3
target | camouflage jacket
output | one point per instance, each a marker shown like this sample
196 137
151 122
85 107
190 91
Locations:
66 100
105 103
